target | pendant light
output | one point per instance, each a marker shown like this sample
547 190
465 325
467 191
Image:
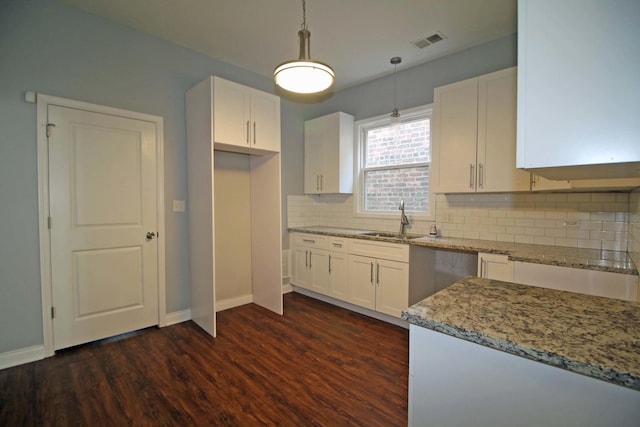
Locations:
395 115
304 75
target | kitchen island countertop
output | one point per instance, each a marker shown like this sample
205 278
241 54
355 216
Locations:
594 336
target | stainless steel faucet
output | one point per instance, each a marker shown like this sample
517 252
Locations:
404 221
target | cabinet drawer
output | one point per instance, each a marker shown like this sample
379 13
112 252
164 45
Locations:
311 241
338 245
382 250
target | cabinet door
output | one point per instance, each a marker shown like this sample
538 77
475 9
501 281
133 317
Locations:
313 156
392 287
265 121
338 278
320 268
495 266
302 275
588 110
455 132
231 119
539 183
361 281
496 168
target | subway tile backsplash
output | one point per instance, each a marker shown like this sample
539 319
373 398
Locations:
605 221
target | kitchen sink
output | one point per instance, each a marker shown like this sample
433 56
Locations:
392 235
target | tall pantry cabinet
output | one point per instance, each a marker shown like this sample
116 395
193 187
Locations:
212 125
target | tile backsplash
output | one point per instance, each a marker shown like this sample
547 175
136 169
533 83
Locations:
634 222
606 221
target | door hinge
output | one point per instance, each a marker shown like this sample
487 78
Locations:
49 126
49 222
53 312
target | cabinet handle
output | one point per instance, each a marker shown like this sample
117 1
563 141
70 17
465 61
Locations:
329 264
254 133
317 182
480 175
310 258
309 241
321 182
306 259
481 267
371 273
532 181
336 245
471 168
378 274
247 131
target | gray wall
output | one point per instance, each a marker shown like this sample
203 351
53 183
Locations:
57 50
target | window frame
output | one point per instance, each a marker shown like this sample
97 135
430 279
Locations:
361 128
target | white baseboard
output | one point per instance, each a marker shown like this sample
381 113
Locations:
348 306
178 317
226 304
21 356
287 288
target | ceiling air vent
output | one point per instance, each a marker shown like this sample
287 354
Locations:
429 40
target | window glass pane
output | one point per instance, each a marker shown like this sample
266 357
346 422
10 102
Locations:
404 143
385 188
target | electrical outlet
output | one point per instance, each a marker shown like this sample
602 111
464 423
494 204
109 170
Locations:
178 206
571 223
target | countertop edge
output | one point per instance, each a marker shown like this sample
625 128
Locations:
548 358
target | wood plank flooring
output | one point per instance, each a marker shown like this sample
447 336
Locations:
318 365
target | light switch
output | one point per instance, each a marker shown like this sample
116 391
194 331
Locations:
178 205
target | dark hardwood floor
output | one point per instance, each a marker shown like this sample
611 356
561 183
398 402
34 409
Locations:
318 365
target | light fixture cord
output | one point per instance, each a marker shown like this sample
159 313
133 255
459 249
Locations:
304 15
395 86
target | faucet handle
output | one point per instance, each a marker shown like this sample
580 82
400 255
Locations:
401 208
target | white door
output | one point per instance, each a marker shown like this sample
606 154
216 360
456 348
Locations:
102 177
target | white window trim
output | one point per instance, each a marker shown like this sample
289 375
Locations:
360 128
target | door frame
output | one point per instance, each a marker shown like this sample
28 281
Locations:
43 102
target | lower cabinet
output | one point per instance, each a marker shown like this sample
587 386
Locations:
370 274
378 284
320 264
495 267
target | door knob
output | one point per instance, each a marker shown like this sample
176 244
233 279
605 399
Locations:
151 235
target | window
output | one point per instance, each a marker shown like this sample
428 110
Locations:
394 164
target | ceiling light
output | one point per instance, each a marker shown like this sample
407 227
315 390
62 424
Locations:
395 114
304 75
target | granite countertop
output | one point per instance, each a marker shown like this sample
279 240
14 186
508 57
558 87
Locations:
590 259
593 336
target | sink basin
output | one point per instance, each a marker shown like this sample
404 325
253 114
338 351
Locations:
392 235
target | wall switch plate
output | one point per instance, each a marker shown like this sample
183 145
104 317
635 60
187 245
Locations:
178 206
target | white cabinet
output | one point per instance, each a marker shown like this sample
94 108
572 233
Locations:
310 260
263 221
338 277
591 282
578 96
495 267
328 154
377 282
320 264
245 119
475 135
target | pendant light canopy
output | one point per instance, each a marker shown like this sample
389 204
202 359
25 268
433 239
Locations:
395 114
304 75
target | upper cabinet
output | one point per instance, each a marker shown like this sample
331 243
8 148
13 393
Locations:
328 154
474 128
245 120
578 88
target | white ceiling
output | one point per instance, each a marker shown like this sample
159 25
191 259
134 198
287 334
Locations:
356 37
